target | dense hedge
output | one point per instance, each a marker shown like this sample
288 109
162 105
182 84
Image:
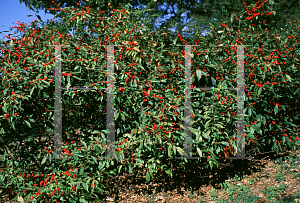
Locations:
149 98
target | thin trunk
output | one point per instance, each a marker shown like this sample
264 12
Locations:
179 27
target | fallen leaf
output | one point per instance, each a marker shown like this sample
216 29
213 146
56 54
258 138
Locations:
261 195
110 199
20 199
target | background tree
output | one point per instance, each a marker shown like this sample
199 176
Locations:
198 13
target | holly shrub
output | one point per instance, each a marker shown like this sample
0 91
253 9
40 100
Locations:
271 72
149 99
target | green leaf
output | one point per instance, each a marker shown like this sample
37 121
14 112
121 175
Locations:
199 74
85 186
119 168
81 171
116 115
207 124
83 200
276 109
100 190
76 76
181 152
225 143
170 150
122 116
174 149
259 91
252 130
194 131
249 111
129 169
218 150
210 33
44 159
151 172
289 78
199 137
255 90
205 135
228 119
209 65
4 107
174 41
118 153
169 172
32 91
79 154
39 17
213 81
94 159
219 125
11 123
283 139
134 83
199 151
101 165
148 177
83 143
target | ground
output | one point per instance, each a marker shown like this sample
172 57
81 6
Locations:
260 180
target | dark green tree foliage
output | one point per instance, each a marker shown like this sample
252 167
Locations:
198 13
